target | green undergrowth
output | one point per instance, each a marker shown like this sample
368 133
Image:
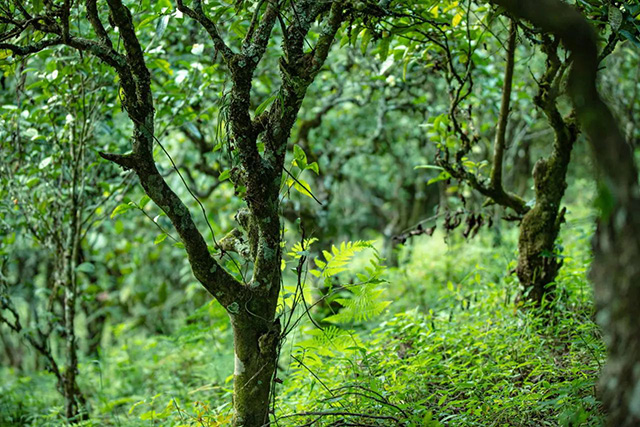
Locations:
455 347
458 346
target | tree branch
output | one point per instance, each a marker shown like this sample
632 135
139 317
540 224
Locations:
94 19
31 48
503 119
254 51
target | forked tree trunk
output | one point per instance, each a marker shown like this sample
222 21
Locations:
251 306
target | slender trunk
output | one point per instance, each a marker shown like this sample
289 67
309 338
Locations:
503 119
74 400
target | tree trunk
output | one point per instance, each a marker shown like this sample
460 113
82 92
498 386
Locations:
537 263
74 399
537 266
256 344
256 331
616 274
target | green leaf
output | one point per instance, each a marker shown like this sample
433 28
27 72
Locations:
428 167
263 106
615 17
164 3
33 182
314 167
86 267
135 405
224 175
633 39
160 238
384 48
303 187
120 209
45 162
456 19
300 157
443 176
162 26
366 38
143 201
148 415
145 21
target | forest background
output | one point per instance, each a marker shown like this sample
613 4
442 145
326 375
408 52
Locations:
270 212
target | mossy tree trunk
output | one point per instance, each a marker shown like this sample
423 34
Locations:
251 305
615 269
538 264
539 227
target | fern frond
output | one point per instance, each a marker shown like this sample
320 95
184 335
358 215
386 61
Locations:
337 260
300 249
363 303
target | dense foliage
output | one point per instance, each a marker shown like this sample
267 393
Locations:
370 213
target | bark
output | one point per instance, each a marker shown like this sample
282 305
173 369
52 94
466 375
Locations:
256 343
537 263
615 269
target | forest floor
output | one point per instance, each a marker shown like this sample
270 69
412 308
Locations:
456 347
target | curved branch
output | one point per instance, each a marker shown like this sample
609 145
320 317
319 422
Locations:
31 48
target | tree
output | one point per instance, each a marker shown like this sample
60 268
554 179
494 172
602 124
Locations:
259 143
50 206
461 152
615 269
540 221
